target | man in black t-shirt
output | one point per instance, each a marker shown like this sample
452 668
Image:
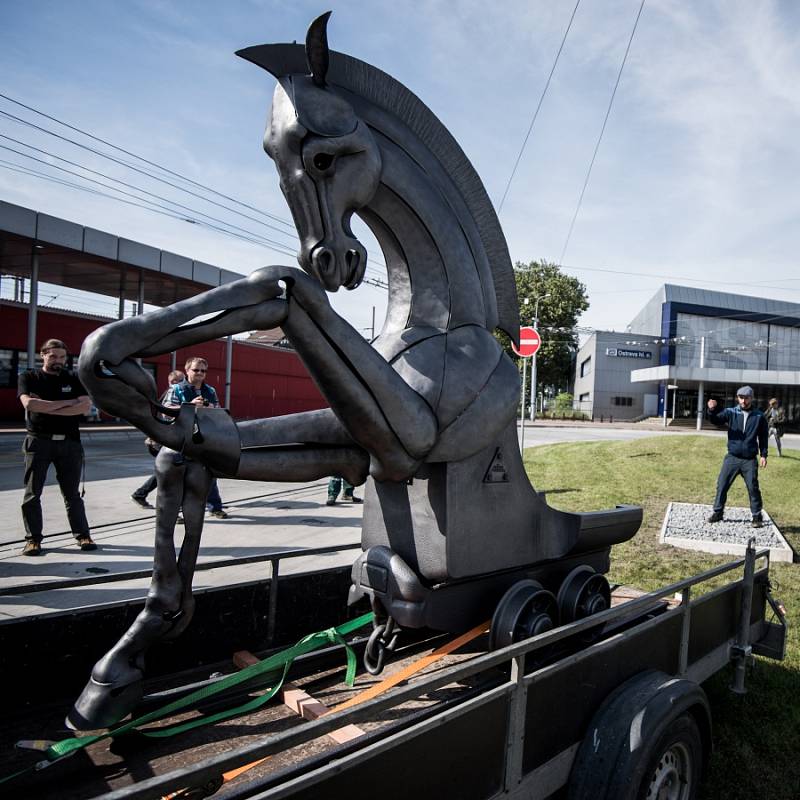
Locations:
54 401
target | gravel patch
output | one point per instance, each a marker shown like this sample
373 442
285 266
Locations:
685 525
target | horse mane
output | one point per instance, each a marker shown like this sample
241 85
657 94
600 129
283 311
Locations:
378 87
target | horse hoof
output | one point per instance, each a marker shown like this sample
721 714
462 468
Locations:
102 705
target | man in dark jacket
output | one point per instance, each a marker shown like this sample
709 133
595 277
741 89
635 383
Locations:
748 437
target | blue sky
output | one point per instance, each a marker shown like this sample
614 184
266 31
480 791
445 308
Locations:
695 180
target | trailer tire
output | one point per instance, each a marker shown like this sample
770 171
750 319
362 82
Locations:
676 762
651 733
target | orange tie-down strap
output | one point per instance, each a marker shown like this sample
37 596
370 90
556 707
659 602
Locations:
308 707
417 666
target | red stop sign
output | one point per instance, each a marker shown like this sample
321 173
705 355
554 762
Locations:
529 342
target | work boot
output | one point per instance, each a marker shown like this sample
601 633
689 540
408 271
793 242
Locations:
85 543
715 517
757 522
32 548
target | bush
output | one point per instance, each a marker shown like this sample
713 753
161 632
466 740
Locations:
563 402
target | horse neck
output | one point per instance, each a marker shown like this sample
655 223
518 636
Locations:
431 251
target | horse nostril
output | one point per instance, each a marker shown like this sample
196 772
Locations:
324 260
352 259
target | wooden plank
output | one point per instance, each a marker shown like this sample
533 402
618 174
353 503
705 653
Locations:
299 701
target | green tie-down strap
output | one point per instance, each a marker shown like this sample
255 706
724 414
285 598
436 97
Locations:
279 661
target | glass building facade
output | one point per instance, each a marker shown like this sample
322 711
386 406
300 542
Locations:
715 342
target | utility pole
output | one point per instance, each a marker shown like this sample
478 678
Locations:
533 362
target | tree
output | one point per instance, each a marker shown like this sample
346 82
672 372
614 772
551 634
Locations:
558 316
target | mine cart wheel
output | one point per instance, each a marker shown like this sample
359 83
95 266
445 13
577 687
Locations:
650 740
583 593
525 610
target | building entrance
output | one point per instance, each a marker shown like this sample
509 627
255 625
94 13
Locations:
685 404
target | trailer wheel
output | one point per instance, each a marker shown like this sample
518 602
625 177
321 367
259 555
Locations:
649 740
674 770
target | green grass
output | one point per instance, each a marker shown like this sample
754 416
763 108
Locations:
756 737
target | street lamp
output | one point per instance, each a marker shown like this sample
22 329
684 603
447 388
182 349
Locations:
533 363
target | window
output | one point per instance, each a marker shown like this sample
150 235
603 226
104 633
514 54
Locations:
584 398
622 401
8 368
586 367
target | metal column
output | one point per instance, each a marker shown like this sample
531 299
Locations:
32 307
700 401
122 278
228 370
140 306
701 386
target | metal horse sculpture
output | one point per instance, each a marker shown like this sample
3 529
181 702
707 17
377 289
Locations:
426 411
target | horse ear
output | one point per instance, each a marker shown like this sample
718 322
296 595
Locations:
317 48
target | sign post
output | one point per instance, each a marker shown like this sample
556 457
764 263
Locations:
529 343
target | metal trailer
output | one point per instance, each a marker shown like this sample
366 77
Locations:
619 715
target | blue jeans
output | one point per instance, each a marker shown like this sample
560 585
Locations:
336 485
214 500
748 469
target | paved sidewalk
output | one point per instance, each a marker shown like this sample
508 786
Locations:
264 517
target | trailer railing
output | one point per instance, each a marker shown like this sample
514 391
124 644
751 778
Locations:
515 689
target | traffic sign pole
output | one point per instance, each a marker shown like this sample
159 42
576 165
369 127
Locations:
529 342
522 407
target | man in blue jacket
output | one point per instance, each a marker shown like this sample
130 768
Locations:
748 437
195 390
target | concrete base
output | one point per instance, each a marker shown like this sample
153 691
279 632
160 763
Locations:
685 526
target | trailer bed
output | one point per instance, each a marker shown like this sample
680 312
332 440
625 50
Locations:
482 725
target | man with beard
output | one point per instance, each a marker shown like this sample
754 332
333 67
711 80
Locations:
54 402
747 441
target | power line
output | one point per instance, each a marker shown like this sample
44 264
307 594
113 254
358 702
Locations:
271 244
602 131
671 277
291 228
135 169
164 211
122 183
536 112
133 155
9 165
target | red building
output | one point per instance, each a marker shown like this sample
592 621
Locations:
266 381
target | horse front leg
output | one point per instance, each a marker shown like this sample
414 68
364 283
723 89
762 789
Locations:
121 387
196 486
115 685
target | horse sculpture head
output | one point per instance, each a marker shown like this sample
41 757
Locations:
329 166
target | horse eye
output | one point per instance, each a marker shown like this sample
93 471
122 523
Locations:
323 161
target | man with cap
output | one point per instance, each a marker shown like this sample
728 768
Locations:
748 437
